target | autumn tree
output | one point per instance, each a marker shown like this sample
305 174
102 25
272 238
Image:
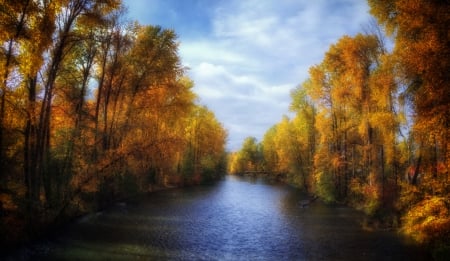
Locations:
248 158
305 135
19 19
93 108
140 110
286 151
420 33
358 121
72 16
269 151
204 157
37 39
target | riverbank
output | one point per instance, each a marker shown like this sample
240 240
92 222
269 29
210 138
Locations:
24 247
235 219
384 219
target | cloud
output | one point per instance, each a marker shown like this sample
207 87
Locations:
246 104
257 51
199 51
246 56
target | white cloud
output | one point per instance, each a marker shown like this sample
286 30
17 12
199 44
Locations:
246 104
257 51
246 56
202 50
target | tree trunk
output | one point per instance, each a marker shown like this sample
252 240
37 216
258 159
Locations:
8 64
31 171
417 169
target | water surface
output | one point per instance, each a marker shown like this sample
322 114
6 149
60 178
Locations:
235 219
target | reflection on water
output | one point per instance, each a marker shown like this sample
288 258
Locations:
236 219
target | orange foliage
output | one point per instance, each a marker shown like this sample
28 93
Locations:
428 220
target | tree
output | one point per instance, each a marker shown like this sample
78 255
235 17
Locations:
72 14
306 133
269 151
248 158
419 29
92 109
357 120
204 156
420 32
17 23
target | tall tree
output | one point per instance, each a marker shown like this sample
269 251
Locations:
304 125
15 17
92 109
420 32
354 88
271 160
205 151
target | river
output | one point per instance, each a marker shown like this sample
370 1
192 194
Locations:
234 219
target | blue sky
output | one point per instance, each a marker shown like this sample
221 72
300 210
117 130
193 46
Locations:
245 56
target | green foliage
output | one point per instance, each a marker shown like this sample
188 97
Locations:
247 159
203 158
188 163
270 155
325 188
365 196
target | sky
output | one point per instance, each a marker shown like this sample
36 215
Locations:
245 56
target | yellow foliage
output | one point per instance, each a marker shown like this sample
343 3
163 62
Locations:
428 220
324 186
365 196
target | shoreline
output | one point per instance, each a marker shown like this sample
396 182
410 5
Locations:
26 249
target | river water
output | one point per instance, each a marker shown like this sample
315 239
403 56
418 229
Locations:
234 219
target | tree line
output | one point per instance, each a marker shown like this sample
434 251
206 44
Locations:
371 125
93 108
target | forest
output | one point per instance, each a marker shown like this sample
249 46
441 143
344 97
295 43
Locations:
370 126
94 108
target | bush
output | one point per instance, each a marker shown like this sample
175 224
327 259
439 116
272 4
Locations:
428 221
324 186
